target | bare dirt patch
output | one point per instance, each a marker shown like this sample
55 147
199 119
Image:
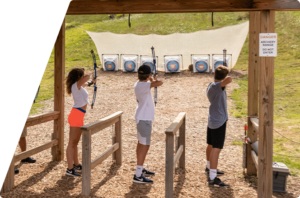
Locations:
185 92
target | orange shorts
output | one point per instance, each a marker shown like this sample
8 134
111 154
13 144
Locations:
76 117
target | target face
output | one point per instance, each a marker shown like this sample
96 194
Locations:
173 66
201 66
110 66
151 65
218 63
129 66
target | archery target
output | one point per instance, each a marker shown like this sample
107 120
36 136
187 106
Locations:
172 64
219 61
110 62
149 62
130 64
201 64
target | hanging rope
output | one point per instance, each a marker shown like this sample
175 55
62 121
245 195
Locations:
286 137
286 155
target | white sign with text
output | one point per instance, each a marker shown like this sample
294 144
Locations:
268 44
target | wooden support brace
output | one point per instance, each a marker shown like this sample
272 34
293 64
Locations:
9 181
86 162
105 155
169 165
118 131
177 156
182 143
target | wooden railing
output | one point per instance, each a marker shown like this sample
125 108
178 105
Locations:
171 161
116 149
255 126
31 121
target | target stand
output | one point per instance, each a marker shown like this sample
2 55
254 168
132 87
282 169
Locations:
129 62
110 62
172 63
201 63
148 60
218 59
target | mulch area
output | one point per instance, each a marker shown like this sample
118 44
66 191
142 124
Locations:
185 92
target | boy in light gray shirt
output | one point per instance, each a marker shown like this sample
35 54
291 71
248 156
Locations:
216 126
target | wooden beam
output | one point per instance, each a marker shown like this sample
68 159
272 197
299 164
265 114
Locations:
169 165
254 158
35 150
102 123
9 181
39 119
253 79
178 6
177 156
105 155
172 129
59 94
118 134
255 126
86 162
266 105
182 142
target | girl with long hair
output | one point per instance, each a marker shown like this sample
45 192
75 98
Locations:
75 83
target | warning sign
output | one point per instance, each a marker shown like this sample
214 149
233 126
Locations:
268 44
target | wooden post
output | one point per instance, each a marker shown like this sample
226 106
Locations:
59 94
118 130
9 181
113 142
253 79
182 142
266 102
86 162
169 165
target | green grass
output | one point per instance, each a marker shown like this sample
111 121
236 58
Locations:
286 88
238 143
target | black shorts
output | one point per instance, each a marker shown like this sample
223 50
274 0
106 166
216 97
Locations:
216 137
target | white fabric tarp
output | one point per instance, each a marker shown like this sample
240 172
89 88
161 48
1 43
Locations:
201 42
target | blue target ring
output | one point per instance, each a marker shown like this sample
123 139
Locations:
151 65
173 66
201 66
110 66
218 63
129 66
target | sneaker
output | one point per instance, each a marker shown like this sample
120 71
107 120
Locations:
78 168
16 171
72 172
142 180
216 183
29 160
219 173
147 173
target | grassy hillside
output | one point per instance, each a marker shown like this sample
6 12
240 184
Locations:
287 86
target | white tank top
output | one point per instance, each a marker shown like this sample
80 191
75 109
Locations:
80 96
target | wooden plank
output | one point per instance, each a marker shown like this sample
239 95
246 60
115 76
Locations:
86 162
254 158
35 150
9 181
266 105
172 129
177 156
118 132
59 94
178 6
105 155
182 142
102 123
39 119
253 79
169 165
113 142
254 122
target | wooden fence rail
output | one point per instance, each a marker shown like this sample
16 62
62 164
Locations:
31 121
171 161
115 150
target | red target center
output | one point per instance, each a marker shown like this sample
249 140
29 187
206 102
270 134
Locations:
201 67
129 66
109 66
173 66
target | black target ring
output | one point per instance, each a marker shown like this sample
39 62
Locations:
110 66
173 66
129 66
201 66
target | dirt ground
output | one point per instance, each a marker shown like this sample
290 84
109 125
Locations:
185 92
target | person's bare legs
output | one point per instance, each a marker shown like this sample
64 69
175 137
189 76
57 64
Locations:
208 151
141 152
72 151
22 143
214 157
